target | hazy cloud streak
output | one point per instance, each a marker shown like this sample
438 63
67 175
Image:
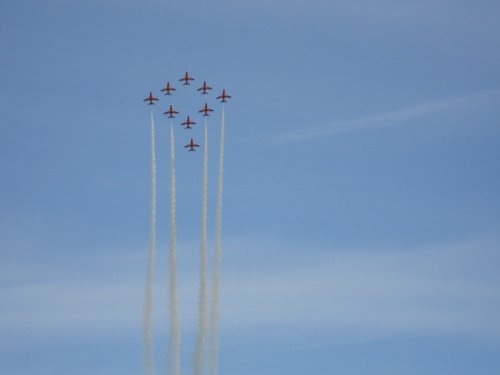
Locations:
430 290
383 120
361 293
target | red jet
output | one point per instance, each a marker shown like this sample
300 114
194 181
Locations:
223 96
205 110
204 88
171 112
150 98
191 145
188 122
186 79
168 88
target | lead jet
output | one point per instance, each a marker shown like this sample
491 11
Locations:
188 122
186 79
205 110
191 145
151 99
171 112
223 96
167 89
204 88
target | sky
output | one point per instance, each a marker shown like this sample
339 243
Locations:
361 205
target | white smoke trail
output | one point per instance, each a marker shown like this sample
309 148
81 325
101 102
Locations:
174 344
147 332
214 298
200 343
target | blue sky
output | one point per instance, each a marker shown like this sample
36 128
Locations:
361 206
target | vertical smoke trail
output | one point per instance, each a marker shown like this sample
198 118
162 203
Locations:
174 344
214 300
147 332
200 343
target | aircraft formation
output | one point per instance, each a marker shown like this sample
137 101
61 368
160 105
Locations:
207 341
171 112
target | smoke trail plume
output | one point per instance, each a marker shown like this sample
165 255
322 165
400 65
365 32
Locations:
147 332
174 343
214 298
200 343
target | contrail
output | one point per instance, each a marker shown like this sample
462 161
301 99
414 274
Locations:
147 332
174 344
200 343
214 300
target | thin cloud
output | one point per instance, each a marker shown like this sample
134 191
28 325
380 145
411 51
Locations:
442 289
425 291
397 117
